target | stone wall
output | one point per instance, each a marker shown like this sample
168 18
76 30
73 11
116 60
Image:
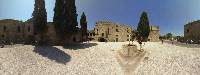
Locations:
192 31
112 32
11 30
154 34
17 31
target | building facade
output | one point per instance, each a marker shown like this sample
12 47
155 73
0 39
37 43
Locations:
154 34
106 31
11 30
192 31
17 32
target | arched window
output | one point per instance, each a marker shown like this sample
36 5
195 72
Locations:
18 29
4 28
2 36
102 34
29 29
117 30
93 34
188 31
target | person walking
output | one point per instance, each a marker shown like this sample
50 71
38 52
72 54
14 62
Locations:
140 42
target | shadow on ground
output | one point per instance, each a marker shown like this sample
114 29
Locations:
184 44
77 46
53 53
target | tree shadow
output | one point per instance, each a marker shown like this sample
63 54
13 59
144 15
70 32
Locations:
53 53
76 46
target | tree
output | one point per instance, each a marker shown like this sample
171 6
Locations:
70 20
58 19
65 18
143 28
40 19
168 35
133 35
83 23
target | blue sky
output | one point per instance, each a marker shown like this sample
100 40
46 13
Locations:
170 15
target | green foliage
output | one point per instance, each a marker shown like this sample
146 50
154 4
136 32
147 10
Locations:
83 23
70 17
143 28
65 18
39 17
59 18
168 35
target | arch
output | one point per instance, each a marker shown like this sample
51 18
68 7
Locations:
18 29
102 40
74 39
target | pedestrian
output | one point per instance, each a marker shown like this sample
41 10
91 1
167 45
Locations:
191 41
162 41
140 42
186 42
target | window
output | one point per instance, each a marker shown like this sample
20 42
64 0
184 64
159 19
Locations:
88 34
29 29
74 39
4 28
117 39
187 30
117 30
127 35
102 34
2 36
117 35
18 29
127 30
127 39
108 31
93 34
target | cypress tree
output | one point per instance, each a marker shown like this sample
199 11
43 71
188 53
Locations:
70 20
143 28
40 19
58 19
65 18
83 23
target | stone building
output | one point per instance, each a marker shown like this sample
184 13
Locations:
111 32
11 30
28 31
17 32
154 34
192 31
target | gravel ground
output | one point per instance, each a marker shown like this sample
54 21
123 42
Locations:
97 59
170 59
90 59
